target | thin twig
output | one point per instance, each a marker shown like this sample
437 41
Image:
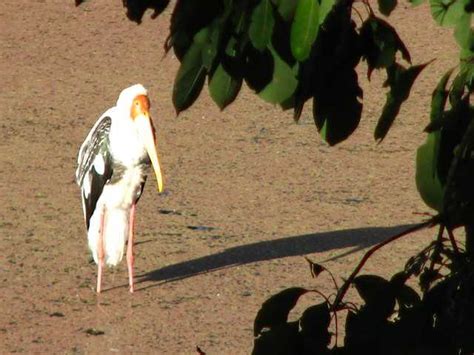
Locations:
453 241
437 247
342 291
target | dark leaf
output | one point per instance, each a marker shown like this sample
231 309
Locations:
259 68
336 46
314 325
316 269
275 310
281 40
380 43
458 203
377 294
387 6
283 339
337 109
469 7
261 25
364 332
136 9
457 89
191 74
315 320
400 81
370 287
457 120
438 102
304 29
407 297
185 24
428 277
240 18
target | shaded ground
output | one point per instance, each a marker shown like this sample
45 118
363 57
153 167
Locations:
270 189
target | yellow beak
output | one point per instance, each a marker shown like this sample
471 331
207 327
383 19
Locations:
145 132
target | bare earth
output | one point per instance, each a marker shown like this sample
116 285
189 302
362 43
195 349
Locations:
269 190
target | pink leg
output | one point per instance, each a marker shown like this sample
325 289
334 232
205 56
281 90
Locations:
130 248
100 250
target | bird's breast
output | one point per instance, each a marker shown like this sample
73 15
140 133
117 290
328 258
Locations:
124 186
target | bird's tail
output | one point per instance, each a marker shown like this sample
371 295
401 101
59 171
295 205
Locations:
115 235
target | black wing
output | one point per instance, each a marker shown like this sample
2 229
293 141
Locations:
94 166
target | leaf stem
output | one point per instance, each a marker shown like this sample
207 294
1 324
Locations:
343 290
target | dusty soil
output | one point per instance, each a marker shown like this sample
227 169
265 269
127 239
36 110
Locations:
269 190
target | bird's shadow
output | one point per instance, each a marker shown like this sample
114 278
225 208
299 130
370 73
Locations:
358 238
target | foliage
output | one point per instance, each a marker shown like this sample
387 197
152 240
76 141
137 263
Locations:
289 52
393 318
292 51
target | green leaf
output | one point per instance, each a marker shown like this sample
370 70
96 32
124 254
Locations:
324 9
283 83
286 8
465 78
210 48
387 6
427 180
447 12
304 29
261 25
191 74
223 87
217 30
275 310
400 80
185 24
464 33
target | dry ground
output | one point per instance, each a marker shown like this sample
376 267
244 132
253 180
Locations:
270 189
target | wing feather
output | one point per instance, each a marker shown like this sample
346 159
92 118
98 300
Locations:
94 166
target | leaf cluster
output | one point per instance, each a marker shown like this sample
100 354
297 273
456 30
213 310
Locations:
289 52
445 162
393 318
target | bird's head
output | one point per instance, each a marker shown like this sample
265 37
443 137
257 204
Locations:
135 100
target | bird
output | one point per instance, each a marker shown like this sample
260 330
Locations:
112 167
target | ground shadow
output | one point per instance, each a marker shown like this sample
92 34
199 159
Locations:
359 238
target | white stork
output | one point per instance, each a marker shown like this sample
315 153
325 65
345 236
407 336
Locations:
111 172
